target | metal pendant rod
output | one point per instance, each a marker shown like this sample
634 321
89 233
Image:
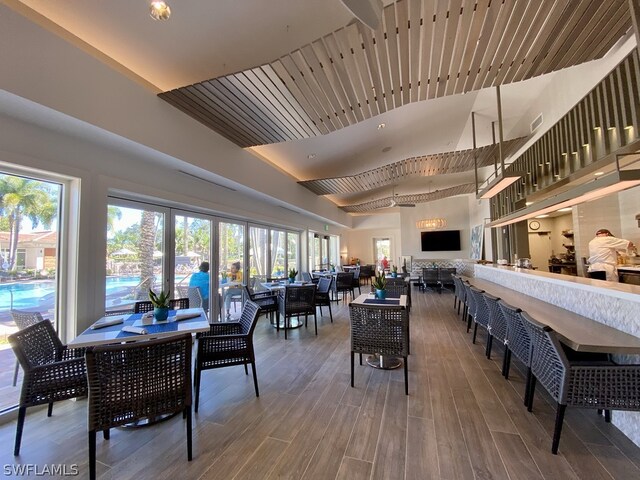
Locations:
475 157
500 129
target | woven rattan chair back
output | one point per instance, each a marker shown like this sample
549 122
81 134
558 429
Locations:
306 277
249 317
179 303
396 281
299 299
344 281
480 311
138 380
497 323
25 319
517 337
394 290
445 276
381 330
195 297
430 277
51 371
548 362
324 287
143 307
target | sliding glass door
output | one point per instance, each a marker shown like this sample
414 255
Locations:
230 267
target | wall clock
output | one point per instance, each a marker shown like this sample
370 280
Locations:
534 225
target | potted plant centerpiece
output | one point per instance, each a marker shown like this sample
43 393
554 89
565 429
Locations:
380 283
292 275
394 272
160 305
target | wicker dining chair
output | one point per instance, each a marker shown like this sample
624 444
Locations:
143 306
23 320
586 381
227 344
344 284
193 294
382 330
497 325
430 279
266 300
323 295
179 303
297 301
52 372
471 306
356 281
445 277
480 314
517 342
138 380
458 293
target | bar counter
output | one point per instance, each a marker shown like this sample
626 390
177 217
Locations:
614 304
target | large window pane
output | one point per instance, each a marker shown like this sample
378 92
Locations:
231 267
134 255
258 253
278 251
29 213
192 257
292 251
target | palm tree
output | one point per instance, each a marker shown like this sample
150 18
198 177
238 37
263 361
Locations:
146 247
20 198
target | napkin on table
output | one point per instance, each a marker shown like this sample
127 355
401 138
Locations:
186 316
107 322
138 330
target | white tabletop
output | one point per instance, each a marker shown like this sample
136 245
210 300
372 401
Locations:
380 303
283 284
114 333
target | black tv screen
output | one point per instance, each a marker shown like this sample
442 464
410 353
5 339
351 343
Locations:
440 240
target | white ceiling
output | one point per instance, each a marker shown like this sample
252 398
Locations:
205 39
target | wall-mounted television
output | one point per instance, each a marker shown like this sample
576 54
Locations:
440 241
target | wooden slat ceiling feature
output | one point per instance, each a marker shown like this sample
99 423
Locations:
412 198
424 166
422 49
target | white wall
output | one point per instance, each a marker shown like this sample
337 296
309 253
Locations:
479 214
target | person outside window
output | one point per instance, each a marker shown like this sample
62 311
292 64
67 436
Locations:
200 279
603 256
235 275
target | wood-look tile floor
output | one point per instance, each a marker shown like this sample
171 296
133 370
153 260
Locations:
461 419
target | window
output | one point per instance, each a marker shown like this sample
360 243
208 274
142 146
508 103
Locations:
30 210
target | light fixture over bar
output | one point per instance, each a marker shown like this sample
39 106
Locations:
498 184
616 181
431 223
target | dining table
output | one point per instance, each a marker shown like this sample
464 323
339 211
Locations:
131 327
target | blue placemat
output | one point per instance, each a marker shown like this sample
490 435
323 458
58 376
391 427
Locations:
386 301
151 328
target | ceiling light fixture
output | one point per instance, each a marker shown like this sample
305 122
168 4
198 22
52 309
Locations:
311 155
431 223
381 126
498 184
566 209
159 10
542 216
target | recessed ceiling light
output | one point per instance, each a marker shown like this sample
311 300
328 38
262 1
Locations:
381 126
159 10
542 216
567 209
597 174
311 155
386 149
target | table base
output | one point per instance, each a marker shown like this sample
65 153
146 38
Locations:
145 422
294 322
383 362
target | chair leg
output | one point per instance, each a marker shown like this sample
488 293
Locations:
406 377
352 368
189 435
197 375
360 359
255 377
246 372
22 412
285 325
15 374
558 429
330 314
106 434
469 320
505 358
489 345
315 322
508 364
475 332
607 416
532 389
50 409
92 454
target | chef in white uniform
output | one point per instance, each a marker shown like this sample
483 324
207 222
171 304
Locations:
603 255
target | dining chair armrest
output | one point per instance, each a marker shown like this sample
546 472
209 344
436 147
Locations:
70 353
228 328
58 371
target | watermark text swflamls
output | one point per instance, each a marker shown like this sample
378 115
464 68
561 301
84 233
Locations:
35 470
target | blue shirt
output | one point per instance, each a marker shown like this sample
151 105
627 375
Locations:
201 280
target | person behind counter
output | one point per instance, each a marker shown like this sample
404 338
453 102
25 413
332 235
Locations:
603 255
